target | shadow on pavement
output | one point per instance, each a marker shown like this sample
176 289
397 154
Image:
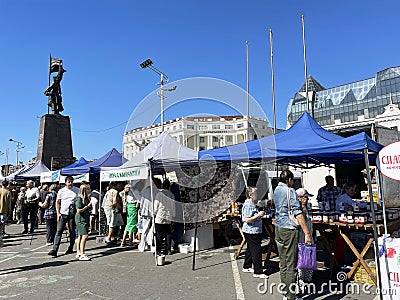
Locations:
33 267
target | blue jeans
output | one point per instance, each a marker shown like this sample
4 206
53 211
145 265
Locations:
60 229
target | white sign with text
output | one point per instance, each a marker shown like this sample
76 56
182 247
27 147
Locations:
389 161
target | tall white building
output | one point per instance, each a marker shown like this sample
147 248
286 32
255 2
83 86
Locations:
199 133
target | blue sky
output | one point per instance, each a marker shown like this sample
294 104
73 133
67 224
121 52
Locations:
102 44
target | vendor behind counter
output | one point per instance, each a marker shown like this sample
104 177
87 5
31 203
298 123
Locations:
345 200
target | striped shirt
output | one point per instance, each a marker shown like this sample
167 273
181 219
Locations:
50 212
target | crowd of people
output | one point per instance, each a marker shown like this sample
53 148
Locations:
129 213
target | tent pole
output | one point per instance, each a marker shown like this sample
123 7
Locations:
152 203
244 177
195 229
380 181
371 201
100 205
380 178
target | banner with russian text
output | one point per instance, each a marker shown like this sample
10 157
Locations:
124 174
77 178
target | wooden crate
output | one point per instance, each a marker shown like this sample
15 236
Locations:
361 275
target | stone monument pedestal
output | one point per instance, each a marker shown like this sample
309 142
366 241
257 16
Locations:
55 142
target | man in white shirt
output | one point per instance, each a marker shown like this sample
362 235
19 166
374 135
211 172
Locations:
64 204
30 206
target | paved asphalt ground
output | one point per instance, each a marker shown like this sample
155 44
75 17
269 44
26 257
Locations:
27 272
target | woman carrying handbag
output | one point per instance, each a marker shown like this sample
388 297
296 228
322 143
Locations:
287 231
305 275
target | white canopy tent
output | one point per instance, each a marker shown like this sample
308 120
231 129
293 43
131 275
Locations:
164 151
28 172
33 172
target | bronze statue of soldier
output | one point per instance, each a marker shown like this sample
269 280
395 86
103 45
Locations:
54 92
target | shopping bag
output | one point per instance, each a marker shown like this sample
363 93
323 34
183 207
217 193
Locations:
307 257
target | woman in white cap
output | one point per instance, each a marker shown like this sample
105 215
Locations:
305 275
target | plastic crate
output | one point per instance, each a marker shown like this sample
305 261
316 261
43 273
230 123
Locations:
361 275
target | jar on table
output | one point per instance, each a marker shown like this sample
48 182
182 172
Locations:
325 218
362 218
343 218
333 217
350 218
317 218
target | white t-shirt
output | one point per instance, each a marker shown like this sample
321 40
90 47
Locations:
164 207
32 193
146 205
67 197
95 205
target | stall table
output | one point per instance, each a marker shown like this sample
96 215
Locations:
344 230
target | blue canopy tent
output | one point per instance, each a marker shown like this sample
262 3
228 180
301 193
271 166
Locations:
54 176
306 142
80 162
111 159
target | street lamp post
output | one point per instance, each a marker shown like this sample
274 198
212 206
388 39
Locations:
18 147
148 63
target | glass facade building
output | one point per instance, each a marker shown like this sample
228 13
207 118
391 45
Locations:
364 99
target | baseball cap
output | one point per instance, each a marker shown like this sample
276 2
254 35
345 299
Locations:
302 192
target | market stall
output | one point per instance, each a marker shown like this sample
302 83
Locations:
305 144
111 159
33 172
163 154
55 176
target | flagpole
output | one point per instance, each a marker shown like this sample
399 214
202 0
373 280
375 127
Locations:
305 61
48 107
272 79
247 90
